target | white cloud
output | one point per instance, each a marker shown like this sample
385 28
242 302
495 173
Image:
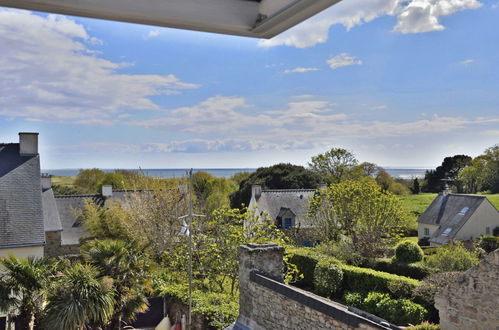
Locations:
300 70
49 73
343 59
153 33
304 96
413 16
379 107
495 6
467 62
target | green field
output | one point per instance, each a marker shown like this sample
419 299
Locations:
414 205
63 180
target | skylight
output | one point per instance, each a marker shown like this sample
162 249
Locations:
464 210
447 231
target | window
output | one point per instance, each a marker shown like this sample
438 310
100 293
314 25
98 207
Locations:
464 210
447 231
487 230
427 231
288 223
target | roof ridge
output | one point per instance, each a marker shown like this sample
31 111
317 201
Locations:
77 196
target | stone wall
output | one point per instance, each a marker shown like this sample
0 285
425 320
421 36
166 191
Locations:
267 303
472 301
54 248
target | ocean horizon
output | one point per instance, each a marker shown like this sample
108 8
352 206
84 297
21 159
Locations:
403 173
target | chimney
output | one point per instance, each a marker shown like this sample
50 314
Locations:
321 186
28 144
46 181
256 191
107 191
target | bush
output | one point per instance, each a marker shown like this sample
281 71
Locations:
398 311
489 243
400 288
305 260
408 252
452 257
425 326
417 271
366 279
354 299
328 278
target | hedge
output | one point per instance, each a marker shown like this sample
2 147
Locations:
219 309
354 278
416 271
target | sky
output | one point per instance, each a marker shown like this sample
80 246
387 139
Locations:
399 83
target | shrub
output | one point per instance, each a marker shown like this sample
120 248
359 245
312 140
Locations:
407 251
305 260
452 257
489 243
366 279
398 311
417 271
328 277
400 288
425 326
354 299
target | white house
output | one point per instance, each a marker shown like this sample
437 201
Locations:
453 217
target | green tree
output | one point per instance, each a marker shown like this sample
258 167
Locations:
78 298
361 211
333 165
22 287
280 176
89 180
415 189
130 268
450 168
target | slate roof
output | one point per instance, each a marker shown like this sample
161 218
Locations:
51 219
68 207
450 212
21 215
296 200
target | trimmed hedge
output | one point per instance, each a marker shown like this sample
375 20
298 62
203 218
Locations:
219 309
354 278
416 271
328 278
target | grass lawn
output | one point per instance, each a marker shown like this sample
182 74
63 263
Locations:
63 180
414 205
494 199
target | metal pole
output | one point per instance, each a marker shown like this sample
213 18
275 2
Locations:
190 250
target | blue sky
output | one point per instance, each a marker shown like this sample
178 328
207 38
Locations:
399 83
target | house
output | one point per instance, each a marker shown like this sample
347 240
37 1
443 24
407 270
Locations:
63 228
21 214
455 217
288 208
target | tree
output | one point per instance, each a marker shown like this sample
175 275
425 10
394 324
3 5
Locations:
89 180
450 168
129 267
415 189
22 287
333 165
79 298
280 176
361 211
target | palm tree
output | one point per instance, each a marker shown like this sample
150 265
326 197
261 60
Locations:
129 267
79 299
22 284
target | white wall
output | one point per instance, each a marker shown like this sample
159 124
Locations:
485 216
422 226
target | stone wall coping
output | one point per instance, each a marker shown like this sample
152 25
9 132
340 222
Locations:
261 247
320 304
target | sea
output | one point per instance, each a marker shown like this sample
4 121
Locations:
403 173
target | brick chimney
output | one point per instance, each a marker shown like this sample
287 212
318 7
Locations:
28 144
